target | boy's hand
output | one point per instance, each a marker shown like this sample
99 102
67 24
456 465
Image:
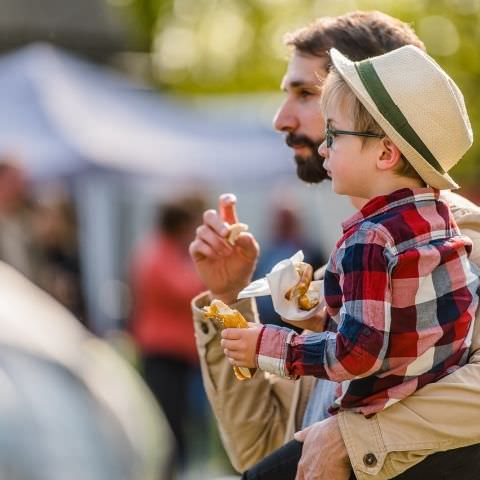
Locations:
225 269
240 345
323 436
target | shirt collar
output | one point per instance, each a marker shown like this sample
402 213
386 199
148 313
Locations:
383 203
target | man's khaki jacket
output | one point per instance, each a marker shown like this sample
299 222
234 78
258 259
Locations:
258 416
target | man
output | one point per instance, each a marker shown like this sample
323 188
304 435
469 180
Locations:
258 416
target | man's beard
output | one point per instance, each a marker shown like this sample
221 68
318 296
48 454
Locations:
309 169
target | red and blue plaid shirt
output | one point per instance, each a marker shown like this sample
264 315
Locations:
403 293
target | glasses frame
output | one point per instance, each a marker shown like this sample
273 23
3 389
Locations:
331 133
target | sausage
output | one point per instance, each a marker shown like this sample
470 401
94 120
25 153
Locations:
299 292
227 208
306 273
307 302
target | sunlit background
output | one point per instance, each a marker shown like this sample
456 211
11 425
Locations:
232 46
112 107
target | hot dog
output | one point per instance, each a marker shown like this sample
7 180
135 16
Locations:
299 292
226 204
225 317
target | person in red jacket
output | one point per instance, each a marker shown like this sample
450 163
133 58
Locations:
163 283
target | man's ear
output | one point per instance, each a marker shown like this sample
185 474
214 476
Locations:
389 155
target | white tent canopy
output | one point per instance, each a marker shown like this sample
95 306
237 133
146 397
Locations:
64 115
68 118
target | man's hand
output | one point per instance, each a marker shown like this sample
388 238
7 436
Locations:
240 345
225 269
324 456
316 323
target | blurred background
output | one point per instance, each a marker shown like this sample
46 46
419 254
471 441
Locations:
116 113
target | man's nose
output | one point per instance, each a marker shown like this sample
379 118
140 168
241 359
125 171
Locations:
285 119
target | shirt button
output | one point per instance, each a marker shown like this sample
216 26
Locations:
204 327
370 460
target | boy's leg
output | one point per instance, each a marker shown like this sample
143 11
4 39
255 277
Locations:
279 465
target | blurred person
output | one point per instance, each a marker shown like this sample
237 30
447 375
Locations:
287 239
56 236
163 283
70 407
269 410
17 245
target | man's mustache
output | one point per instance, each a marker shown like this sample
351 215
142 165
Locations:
293 140
309 167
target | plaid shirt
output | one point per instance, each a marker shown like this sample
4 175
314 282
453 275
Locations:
403 293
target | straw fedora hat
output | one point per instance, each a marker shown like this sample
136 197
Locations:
418 106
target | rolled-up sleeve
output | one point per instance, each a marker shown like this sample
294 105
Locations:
359 346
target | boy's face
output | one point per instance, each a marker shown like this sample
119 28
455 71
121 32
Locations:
349 162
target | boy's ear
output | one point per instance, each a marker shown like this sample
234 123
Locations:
389 155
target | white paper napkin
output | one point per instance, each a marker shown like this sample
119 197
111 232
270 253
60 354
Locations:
282 277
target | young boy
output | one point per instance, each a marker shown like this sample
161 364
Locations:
398 284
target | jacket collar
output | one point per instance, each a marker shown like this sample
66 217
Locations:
384 203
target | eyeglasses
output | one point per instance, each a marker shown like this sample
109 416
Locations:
331 133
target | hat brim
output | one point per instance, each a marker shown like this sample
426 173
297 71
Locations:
432 177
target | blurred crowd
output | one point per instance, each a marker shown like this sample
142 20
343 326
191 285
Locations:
70 406
163 282
39 239
38 236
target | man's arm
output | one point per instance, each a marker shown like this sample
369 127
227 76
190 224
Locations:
359 347
253 415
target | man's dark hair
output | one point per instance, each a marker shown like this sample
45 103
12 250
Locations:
357 35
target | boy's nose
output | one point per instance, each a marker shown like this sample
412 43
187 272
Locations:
323 150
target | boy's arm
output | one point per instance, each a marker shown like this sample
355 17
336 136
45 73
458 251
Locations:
253 415
359 347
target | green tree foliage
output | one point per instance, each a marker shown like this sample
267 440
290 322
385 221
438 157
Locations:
221 46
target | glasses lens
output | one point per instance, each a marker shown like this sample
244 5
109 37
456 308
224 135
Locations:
329 138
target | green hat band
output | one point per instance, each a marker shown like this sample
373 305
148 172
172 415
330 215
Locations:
386 106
